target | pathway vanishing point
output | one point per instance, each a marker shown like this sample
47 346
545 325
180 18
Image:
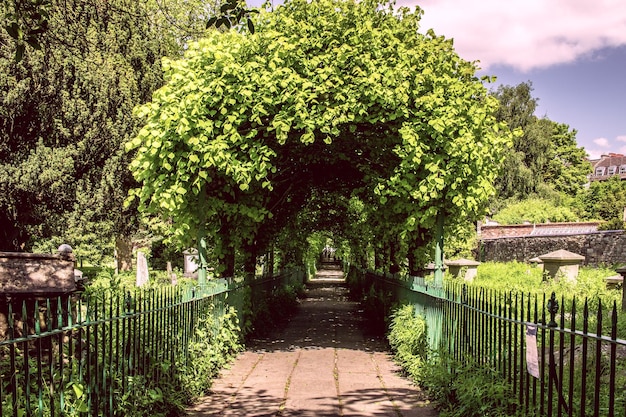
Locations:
321 364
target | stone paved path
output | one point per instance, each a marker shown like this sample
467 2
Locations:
321 364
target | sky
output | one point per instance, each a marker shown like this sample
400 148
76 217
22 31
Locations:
572 51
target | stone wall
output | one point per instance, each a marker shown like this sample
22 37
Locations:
27 277
608 247
36 274
539 229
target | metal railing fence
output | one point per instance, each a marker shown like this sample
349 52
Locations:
93 356
560 357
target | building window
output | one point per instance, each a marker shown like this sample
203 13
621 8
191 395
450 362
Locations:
622 169
599 171
612 170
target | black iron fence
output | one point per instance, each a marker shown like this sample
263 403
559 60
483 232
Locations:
561 357
86 356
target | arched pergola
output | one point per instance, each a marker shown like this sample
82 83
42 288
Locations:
333 100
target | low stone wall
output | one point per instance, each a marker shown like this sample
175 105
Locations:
36 273
598 248
539 229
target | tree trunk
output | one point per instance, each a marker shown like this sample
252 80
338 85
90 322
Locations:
416 253
249 267
124 250
227 262
270 262
394 262
226 258
380 257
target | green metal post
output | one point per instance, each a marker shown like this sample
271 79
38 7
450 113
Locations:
202 249
439 250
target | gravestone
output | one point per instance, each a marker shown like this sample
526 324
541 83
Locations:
463 268
142 270
190 266
622 272
171 274
561 263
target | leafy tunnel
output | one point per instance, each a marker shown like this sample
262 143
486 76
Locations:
334 116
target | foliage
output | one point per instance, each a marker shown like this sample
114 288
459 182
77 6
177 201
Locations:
25 21
605 200
337 96
408 339
103 280
32 22
522 277
458 242
467 389
232 13
534 210
67 110
212 348
270 310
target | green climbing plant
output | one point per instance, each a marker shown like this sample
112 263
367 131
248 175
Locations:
405 119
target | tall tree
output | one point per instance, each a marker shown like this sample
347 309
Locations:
544 157
67 110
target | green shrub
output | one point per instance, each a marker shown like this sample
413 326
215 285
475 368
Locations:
535 210
521 277
468 389
376 306
264 312
212 348
408 338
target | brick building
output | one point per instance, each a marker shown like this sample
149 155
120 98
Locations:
608 166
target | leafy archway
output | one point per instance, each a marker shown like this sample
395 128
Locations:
333 96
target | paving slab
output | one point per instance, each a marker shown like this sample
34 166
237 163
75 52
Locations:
323 363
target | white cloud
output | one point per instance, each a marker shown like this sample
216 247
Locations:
594 153
526 34
602 142
602 146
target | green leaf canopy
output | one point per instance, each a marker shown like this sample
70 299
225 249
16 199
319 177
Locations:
323 93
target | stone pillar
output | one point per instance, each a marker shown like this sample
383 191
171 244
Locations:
562 263
190 268
622 272
463 268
